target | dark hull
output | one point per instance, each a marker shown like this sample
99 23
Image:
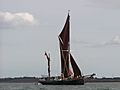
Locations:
62 82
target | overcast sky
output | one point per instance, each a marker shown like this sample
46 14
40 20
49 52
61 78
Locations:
28 28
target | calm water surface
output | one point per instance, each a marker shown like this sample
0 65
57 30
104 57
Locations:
87 86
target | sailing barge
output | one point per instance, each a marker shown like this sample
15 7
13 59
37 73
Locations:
68 76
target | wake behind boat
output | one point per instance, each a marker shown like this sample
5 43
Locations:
69 75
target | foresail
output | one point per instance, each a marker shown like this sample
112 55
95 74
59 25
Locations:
75 67
64 48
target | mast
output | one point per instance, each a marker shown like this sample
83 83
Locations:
48 58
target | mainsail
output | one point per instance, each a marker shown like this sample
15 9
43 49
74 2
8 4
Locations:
64 48
66 57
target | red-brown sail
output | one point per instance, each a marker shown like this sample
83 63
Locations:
64 48
76 70
66 57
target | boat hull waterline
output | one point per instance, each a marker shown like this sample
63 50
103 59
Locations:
63 82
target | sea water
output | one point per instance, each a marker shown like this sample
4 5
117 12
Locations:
32 86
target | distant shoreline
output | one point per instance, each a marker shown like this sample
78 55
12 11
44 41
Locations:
19 80
92 80
35 80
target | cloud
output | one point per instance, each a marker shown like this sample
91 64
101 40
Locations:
112 4
115 42
8 19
